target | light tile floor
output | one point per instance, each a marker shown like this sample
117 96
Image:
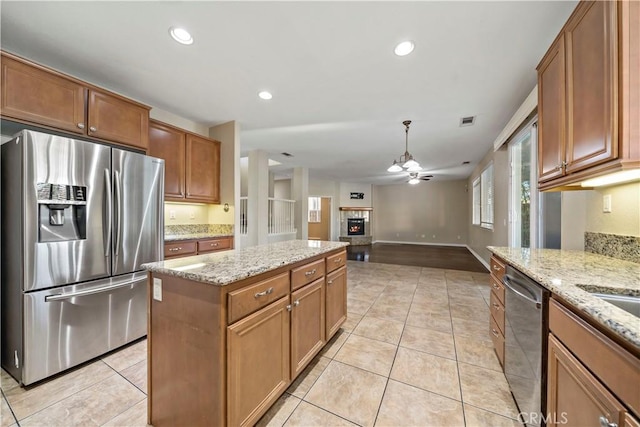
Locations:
415 351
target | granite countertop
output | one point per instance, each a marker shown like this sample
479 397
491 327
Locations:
223 268
570 274
192 236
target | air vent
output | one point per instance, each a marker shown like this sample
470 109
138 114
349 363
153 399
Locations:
287 154
466 162
467 121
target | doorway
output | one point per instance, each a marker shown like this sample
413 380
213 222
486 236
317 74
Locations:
319 218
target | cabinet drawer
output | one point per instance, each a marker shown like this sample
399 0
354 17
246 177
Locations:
213 245
307 274
598 353
497 268
179 249
497 338
497 287
336 261
497 311
251 298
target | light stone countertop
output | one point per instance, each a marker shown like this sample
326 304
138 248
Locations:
223 268
565 272
192 236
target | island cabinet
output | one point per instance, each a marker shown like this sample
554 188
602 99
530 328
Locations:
588 101
44 97
497 313
591 379
179 248
192 163
223 354
336 301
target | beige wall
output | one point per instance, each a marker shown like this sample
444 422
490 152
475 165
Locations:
574 219
327 188
480 238
172 119
186 213
428 213
624 217
346 188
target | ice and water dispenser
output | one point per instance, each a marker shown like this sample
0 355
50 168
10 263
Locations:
62 212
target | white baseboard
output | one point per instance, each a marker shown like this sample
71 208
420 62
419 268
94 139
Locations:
459 245
482 260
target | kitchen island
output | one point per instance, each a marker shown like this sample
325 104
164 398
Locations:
228 332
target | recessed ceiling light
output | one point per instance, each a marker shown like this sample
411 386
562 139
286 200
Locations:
181 35
404 48
265 95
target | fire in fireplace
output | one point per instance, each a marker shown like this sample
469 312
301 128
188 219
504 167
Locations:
355 226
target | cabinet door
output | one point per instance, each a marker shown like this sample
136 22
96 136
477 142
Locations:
592 100
169 144
336 311
115 119
307 325
551 112
203 169
574 396
257 362
42 97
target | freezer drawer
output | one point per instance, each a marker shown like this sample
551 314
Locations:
66 326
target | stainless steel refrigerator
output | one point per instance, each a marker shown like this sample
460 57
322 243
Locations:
78 220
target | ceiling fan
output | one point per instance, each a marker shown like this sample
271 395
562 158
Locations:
416 177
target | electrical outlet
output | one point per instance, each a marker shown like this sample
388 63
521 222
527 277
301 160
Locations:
434 236
157 289
192 215
423 236
397 234
606 203
458 237
172 214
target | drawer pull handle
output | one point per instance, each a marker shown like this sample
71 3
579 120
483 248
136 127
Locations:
263 293
310 273
175 249
604 422
214 244
337 260
494 332
496 268
329 282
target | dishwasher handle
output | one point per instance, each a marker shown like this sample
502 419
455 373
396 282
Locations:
511 283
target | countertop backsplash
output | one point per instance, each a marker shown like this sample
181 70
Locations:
613 245
220 229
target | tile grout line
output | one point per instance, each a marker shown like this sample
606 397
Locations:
10 408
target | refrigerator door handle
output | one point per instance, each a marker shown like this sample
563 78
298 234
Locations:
118 186
60 297
109 215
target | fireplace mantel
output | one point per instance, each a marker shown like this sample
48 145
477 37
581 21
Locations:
346 208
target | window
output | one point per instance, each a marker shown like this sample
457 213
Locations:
486 197
483 199
476 202
315 209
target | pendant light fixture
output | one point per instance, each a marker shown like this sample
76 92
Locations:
406 161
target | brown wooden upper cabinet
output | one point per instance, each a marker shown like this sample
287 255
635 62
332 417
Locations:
192 163
44 97
588 97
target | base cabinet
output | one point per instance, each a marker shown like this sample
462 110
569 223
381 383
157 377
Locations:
336 311
307 325
257 362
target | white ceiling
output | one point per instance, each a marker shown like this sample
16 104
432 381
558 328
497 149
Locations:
339 92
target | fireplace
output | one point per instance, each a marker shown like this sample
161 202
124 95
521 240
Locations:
355 226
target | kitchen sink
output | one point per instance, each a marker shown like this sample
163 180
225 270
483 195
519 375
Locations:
630 304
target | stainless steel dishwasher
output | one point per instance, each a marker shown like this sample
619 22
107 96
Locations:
526 330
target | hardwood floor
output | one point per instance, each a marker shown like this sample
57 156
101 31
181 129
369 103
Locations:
447 257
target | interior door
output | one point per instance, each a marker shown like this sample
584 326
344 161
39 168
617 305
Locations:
138 200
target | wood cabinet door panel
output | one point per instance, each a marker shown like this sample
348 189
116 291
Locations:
39 96
203 169
169 144
257 363
574 396
591 45
115 119
551 112
307 324
336 309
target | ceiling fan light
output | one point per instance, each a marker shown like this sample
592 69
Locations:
411 163
415 168
395 167
414 181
